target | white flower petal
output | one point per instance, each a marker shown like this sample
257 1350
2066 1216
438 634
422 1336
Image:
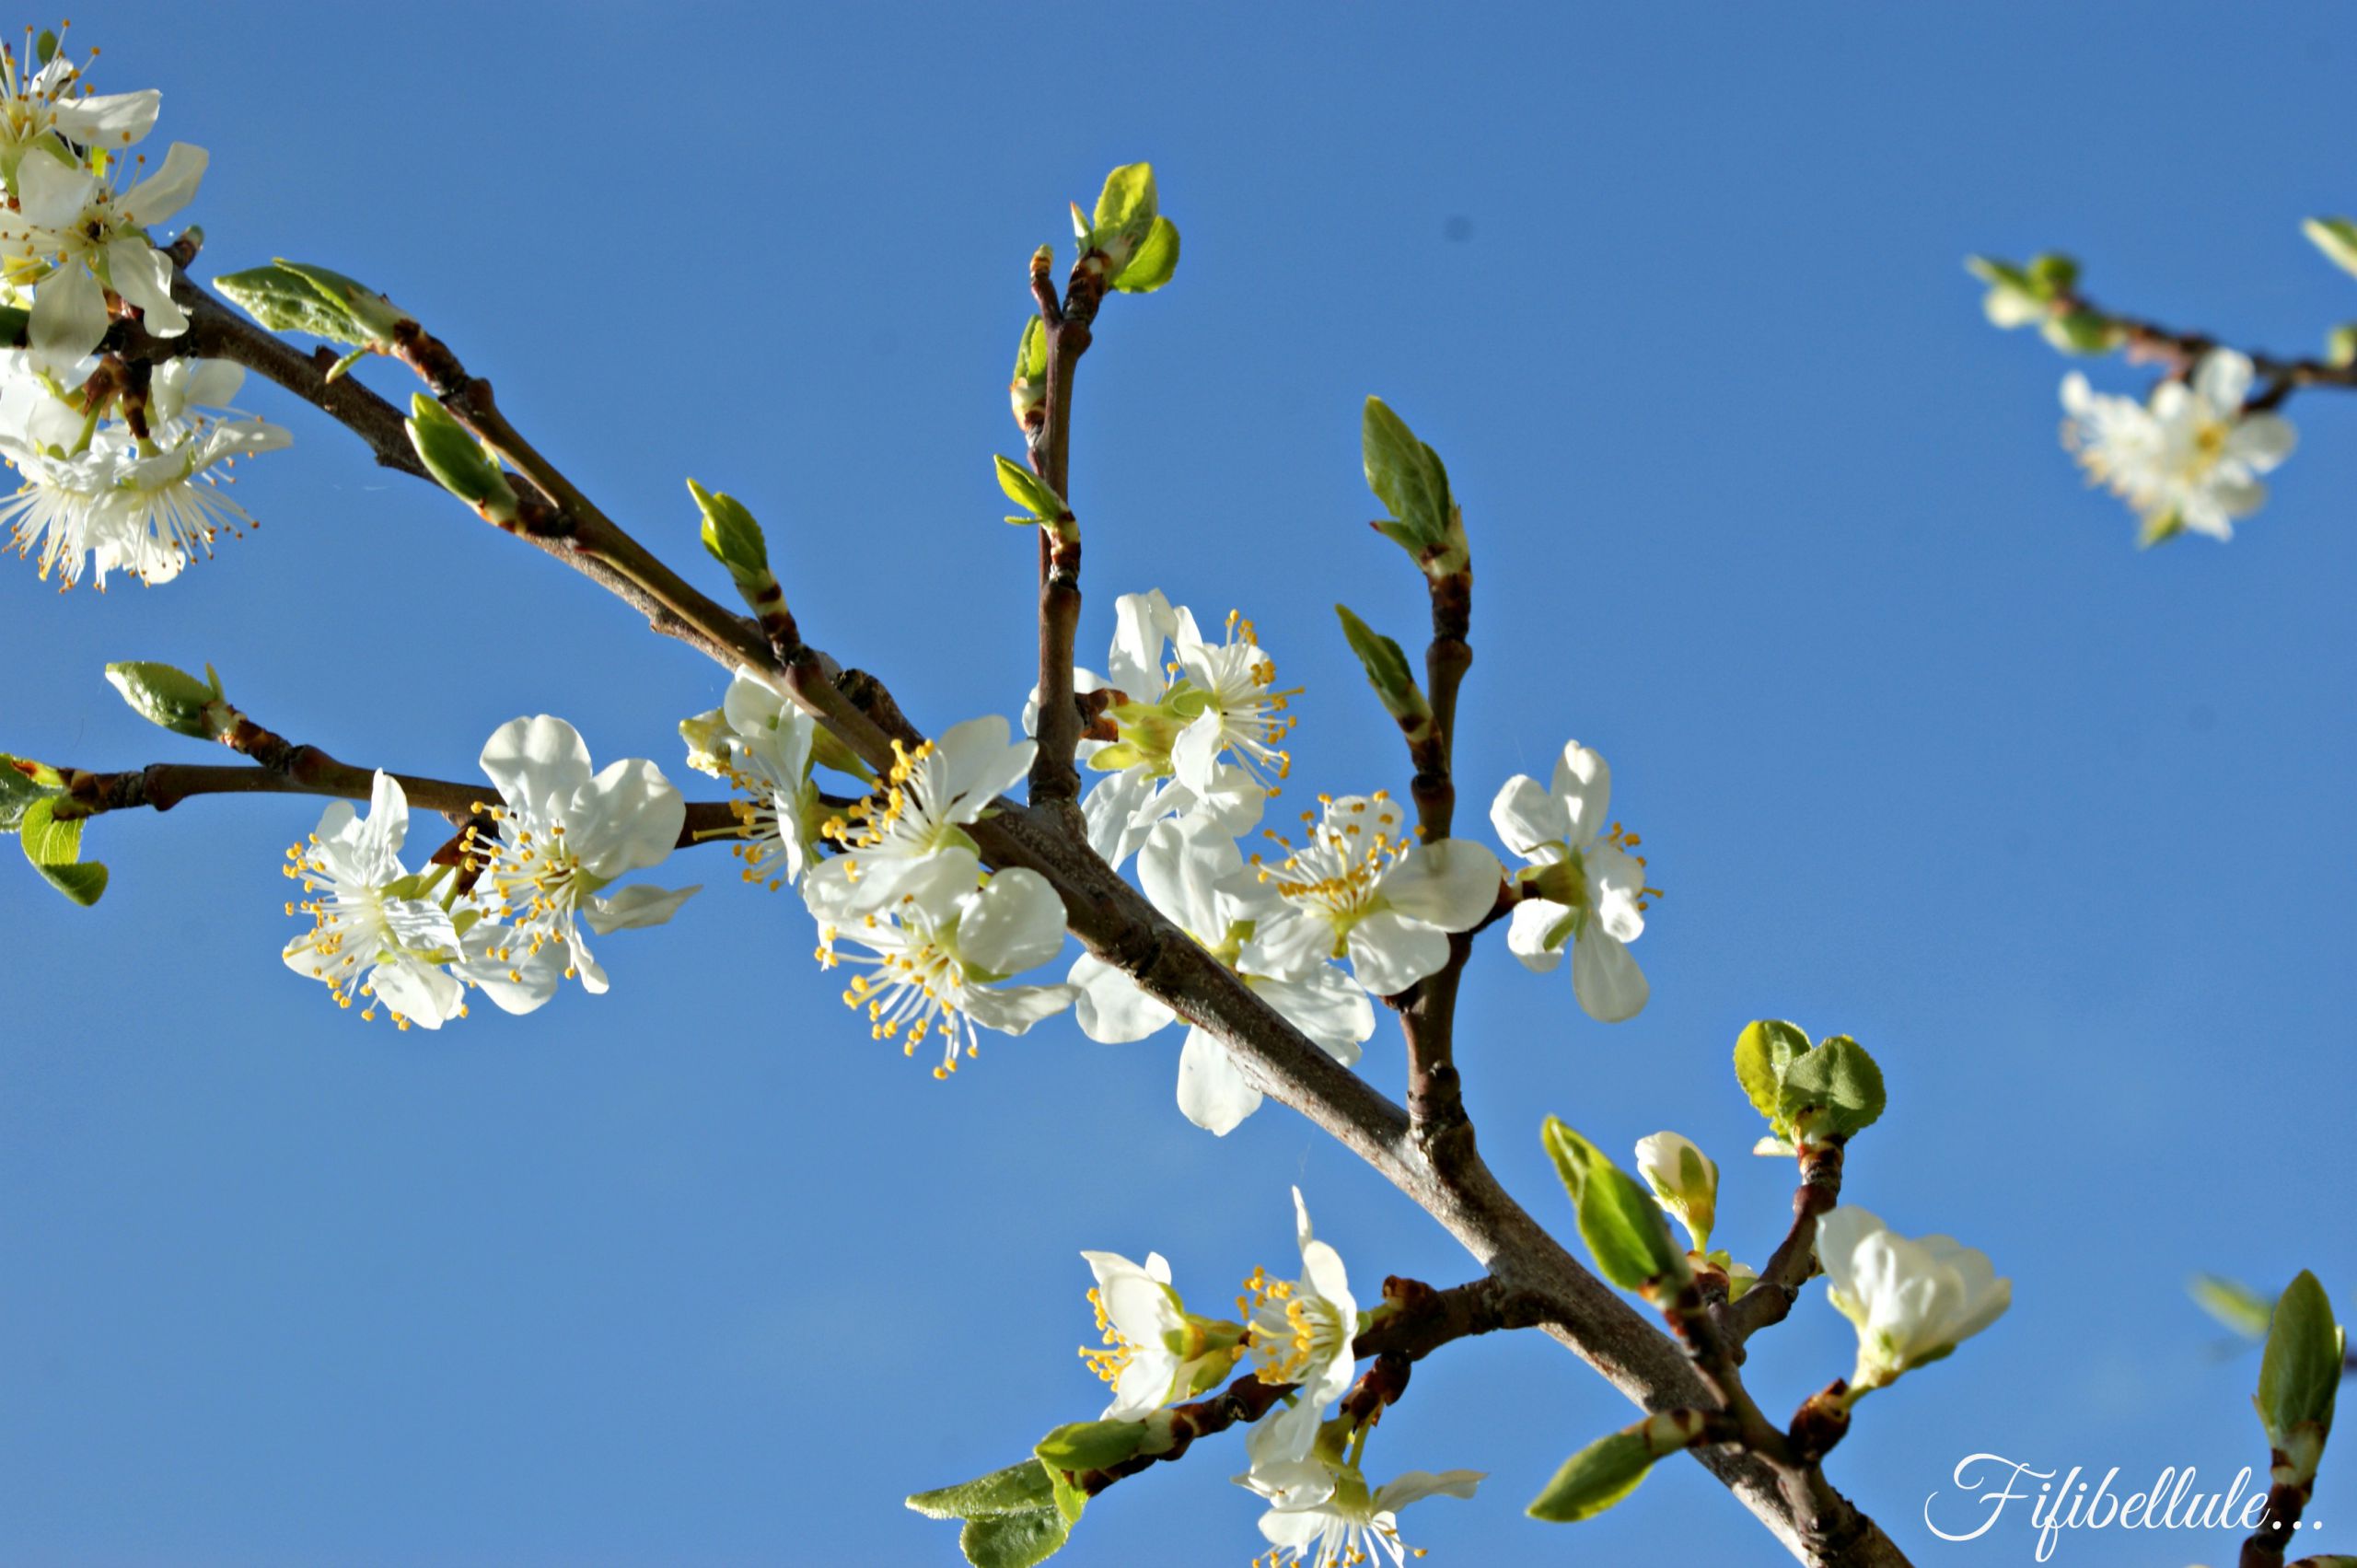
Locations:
1213 1091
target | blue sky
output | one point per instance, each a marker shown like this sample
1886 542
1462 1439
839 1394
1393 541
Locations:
1923 749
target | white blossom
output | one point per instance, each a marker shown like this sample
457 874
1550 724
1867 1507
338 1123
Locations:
1363 888
907 843
1911 1301
372 936
1685 1182
40 107
1301 1332
2191 458
94 241
762 744
1192 872
142 505
1584 889
1322 1514
939 962
565 833
1160 703
1154 1351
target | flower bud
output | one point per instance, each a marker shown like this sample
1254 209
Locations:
733 537
1685 1182
174 699
458 461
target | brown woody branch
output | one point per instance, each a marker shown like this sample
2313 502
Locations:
1117 924
1420 1320
2179 350
1067 324
1794 1263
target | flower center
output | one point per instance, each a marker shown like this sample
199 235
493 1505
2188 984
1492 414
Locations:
1291 1331
919 985
1339 871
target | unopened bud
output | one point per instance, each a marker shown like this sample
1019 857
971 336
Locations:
173 698
458 461
1685 1182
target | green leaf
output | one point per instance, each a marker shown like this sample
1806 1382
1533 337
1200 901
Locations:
1625 1232
1156 258
1090 1444
1762 1053
2053 274
2000 274
56 850
1031 351
1838 1079
2232 1302
1015 1517
2336 237
21 783
2159 528
286 302
2083 332
1019 1488
1028 491
1406 475
1387 669
455 460
1593 1478
2340 345
376 315
1127 206
1574 1155
45 46
167 697
2300 1373
733 538
1014 1540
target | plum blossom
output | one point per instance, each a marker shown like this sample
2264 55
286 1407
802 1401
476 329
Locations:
907 843
2190 460
565 833
1193 873
1363 888
763 745
1912 1301
1322 1514
939 962
1154 1351
372 936
1584 887
1301 1332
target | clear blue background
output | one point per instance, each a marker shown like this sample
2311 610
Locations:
1922 748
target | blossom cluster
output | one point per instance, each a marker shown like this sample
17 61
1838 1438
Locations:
123 468
505 911
1296 1335
2188 459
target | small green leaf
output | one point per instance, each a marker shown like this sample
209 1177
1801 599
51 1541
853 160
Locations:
2232 1302
1156 259
171 698
1028 491
1387 669
45 46
2340 345
1762 1053
21 783
1015 1517
1019 1488
2053 274
1574 1155
1593 1478
1626 1234
1838 1080
2000 274
2083 332
375 314
1090 1444
1031 351
2159 528
1014 1540
1406 475
457 460
733 538
55 849
2299 1373
285 301
1127 199
2336 237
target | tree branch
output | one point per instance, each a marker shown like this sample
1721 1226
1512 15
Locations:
2149 341
1771 1299
1054 778
1422 1320
1118 923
